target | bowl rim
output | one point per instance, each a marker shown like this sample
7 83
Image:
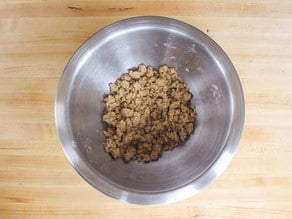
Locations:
169 196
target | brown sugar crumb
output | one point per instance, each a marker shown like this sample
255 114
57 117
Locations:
147 111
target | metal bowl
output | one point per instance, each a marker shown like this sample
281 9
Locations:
217 95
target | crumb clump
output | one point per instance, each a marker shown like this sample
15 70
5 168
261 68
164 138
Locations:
148 111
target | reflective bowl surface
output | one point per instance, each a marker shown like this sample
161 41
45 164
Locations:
217 95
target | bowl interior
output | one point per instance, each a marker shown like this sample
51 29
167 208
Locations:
111 52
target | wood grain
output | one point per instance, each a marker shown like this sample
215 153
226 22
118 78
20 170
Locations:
38 37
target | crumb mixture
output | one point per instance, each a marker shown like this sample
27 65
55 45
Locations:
147 111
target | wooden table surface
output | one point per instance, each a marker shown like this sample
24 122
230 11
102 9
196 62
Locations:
38 37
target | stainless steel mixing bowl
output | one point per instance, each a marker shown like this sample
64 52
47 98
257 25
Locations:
154 41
